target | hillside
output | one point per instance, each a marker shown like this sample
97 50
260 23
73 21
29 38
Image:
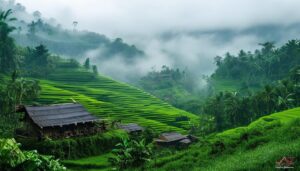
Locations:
175 86
254 147
32 29
110 99
252 70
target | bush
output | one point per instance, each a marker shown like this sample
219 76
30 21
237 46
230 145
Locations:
182 118
72 148
12 158
130 153
255 142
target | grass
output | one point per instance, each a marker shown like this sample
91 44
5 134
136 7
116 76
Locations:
90 163
255 147
222 85
225 85
110 99
269 139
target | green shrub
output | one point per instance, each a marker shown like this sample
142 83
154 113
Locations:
130 154
12 158
255 142
72 148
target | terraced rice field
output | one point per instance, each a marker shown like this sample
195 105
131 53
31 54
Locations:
110 99
272 137
196 157
94 163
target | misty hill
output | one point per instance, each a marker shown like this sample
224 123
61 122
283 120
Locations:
110 99
253 70
175 86
245 73
77 44
33 30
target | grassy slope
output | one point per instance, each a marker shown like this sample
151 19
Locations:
90 163
269 139
225 85
220 85
258 153
107 98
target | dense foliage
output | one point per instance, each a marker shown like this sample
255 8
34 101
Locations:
174 86
277 69
16 90
274 73
130 153
12 158
263 66
254 147
38 62
72 148
72 43
7 47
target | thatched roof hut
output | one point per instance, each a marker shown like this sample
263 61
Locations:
60 120
131 128
173 138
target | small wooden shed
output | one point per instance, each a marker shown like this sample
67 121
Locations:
131 128
173 138
62 120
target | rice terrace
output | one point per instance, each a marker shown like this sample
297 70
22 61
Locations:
149 85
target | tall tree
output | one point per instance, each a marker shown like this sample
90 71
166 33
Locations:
8 60
38 62
95 69
87 63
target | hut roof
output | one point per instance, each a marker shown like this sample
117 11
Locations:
59 115
132 127
170 137
185 141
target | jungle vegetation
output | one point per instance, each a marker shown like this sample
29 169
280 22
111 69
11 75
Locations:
235 123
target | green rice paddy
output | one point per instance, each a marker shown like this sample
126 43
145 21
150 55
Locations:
110 99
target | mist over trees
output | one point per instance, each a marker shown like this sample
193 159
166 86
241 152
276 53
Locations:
261 67
177 87
270 83
41 62
266 80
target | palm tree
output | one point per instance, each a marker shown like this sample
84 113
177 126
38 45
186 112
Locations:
5 29
268 99
285 102
141 152
130 153
24 89
122 154
7 46
232 108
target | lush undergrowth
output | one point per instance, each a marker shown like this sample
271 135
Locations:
90 163
255 147
110 99
230 85
73 148
220 85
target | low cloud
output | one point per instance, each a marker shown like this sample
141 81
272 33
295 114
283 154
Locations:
177 33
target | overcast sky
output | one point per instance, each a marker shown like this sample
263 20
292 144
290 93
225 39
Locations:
120 17
146 23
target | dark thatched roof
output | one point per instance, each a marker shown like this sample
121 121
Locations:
59 115
171 137
132 127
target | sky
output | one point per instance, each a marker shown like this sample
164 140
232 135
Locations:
148 17
178 33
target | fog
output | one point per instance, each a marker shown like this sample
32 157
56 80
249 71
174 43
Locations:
177 33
